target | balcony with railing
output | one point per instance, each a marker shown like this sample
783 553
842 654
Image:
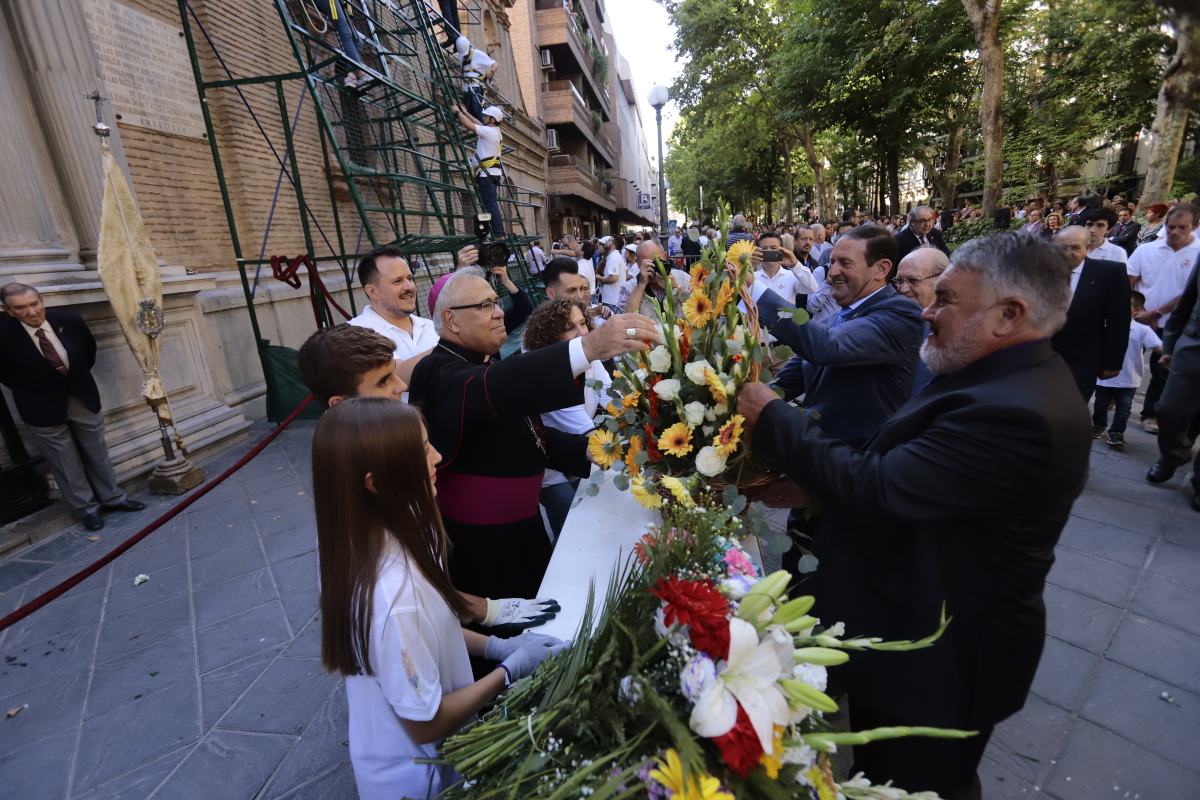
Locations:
559 31
569 174
563 105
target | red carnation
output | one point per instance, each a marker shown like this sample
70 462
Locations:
652 450
702 608
740 747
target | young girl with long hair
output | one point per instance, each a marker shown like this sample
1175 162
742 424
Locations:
390 618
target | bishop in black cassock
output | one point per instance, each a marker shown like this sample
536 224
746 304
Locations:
483 416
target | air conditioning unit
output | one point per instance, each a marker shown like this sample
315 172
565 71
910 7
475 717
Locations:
547 59
551 137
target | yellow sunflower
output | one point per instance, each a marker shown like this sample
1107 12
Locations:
612 410
713 381
738 251
698 309
772 762
678 490
635 447
630 400
644 494
670 775
727 438
604 448
676 440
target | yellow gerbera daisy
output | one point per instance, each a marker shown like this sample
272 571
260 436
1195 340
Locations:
612 410
670 775
698 309
727 438
698 274
678 490
644 495
630 400
635 447
604 448
724 295
713 381
676 440
738 251
772 762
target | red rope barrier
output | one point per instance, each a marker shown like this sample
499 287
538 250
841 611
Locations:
52 594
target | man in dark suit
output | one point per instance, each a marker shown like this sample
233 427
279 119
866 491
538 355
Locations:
1093 340
920 233
1124 234
46 358
958 500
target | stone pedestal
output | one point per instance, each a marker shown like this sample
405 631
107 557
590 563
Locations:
175 477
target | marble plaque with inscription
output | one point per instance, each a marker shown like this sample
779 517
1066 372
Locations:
146 69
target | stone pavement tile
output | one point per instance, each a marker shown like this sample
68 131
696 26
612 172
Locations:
215 512
140 673
51 707
36 772
284 495
64 614
1159 650
233 596
1063 673
226 764
1098 764
1133 490
1183 529
124 597
220 536
9 602
1025 742
1097 539
1117 512
17 572
1079 620
324 745
221 687
297 580
307 643
227 563
337 784
1001 784
283 519
164 548
1093 577
239 636
265 480
139 783
1132 705
26 665
290 543
61 548
1169 601
123 633
283 699
1178 563
57 574
136 733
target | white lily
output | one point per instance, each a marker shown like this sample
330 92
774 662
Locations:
749 676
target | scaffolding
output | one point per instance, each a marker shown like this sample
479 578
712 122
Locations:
396 161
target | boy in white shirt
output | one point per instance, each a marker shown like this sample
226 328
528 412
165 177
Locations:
615 272
1099 221
1120 390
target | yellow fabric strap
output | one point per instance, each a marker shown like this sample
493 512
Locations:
333 12
488 163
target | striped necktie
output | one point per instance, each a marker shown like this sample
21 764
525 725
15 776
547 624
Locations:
47 348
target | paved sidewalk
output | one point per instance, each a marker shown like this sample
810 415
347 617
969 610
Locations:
205 681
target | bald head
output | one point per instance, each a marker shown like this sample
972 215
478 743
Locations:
917 274
1073 241
650 249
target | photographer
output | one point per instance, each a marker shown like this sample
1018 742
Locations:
487 158
649 281
780 270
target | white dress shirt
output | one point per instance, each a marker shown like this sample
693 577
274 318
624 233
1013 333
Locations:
54 340
422 338
1110 252
1162 273
1075 273
783 283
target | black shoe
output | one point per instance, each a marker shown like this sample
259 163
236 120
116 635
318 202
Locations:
125 505
1097 431
1196 502
1116 440
93 522
1160 473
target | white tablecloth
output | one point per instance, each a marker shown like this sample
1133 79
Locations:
596 540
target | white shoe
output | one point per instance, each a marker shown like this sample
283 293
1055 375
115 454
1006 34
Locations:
1150 425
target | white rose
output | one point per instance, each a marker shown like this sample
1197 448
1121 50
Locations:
660 359
709 462
720 410
708 429
693 412
668 389
696 371
734 346
641 374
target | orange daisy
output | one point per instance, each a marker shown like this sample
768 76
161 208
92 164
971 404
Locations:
724 295
676 440
630 400
729 435
635 447
698 273
698 309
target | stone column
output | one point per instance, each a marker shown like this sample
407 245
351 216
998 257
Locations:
35 228
61 68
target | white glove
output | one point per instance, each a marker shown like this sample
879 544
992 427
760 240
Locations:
515 614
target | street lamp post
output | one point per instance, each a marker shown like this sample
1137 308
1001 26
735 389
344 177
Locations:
658 98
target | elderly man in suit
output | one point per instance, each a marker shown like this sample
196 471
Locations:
1125 233
920 232
46 358
1179 405
959 499
1096 333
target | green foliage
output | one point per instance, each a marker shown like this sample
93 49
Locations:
1187 178
962 232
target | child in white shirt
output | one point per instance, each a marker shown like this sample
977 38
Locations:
1120 390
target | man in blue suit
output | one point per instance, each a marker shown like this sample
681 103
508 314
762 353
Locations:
857 368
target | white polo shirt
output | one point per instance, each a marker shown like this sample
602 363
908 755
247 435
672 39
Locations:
422 338
614 264
1162 273
1110 252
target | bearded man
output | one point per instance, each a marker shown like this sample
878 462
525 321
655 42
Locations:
958 500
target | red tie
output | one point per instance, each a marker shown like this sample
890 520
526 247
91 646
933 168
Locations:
49 352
